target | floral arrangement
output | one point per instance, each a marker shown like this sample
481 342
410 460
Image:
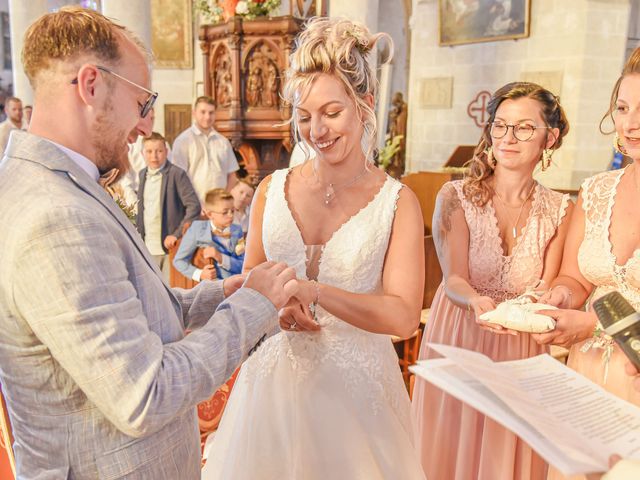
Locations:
386 153
217 11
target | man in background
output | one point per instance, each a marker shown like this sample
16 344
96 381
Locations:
205 154
13 111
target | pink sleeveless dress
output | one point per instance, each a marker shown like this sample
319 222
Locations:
598 265
455 441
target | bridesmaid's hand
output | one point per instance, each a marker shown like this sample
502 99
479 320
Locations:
572 326
631 370
559 296
481 305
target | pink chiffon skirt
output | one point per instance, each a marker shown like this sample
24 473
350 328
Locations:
455 441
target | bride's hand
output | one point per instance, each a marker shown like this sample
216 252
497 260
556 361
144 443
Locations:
296 317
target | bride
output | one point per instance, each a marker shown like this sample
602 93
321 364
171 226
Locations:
327 401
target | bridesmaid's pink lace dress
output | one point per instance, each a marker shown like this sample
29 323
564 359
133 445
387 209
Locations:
598 265
454 440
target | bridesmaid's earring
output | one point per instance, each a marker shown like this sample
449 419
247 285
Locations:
547 153
616 145
490 158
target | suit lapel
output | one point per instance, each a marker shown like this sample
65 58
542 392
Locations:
24 146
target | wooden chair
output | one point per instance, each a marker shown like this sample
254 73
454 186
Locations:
426 186
410 347
432 272
7 460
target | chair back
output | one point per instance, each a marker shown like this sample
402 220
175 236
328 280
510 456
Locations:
432 271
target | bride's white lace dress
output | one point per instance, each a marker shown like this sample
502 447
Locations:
326 405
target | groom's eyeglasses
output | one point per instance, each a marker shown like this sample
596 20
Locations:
144 108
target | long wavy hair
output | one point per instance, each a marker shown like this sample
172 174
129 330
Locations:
338 47
476 186
632 66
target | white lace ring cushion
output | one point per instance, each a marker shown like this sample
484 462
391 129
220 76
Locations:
522 317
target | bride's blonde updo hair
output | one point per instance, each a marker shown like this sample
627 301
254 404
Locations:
476 186
338 47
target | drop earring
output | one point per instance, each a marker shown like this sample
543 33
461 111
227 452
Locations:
616 144
547 153
490 158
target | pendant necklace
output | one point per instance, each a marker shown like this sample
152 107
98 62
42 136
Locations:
514 229
332 189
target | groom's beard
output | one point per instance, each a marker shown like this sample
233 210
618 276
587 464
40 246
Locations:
110 143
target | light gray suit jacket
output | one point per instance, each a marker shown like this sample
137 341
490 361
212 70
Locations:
98 375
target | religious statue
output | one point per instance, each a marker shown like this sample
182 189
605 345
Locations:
253 91
397 125
271 92
223 81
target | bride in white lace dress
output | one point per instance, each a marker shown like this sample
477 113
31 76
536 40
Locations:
328 402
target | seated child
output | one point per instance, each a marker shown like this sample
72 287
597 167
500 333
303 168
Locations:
242 193
223 241
166 200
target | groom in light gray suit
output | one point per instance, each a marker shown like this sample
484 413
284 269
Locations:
100 379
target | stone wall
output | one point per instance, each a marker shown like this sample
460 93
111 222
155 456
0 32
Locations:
581 42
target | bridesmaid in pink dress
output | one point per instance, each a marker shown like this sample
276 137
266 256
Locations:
497 233
602 251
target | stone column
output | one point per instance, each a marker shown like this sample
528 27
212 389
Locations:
365 11
135 15
21 15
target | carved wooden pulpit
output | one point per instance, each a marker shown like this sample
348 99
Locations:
244 65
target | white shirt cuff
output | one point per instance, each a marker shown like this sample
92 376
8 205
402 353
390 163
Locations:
196 275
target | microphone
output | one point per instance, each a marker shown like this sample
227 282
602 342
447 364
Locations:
622 322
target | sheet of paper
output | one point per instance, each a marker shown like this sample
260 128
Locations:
571 422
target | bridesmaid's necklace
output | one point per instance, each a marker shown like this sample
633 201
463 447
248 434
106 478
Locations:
514 229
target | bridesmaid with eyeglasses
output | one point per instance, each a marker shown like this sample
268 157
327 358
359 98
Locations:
498 234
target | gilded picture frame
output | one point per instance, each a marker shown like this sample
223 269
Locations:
463 21
172 33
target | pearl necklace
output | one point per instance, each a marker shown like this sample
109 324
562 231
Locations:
514 229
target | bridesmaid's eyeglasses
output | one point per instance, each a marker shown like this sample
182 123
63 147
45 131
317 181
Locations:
522 131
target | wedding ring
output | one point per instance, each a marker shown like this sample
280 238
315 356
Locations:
293 326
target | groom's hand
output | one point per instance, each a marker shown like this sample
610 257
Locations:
231 284
276 281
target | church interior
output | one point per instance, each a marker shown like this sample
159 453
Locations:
432 100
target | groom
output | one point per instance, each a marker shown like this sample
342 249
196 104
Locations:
99 377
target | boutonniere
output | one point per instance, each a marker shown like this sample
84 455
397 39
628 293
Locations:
240 246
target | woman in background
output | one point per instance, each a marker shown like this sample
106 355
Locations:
602 252
498 234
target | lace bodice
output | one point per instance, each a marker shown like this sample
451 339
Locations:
500 276
595 256
352 260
